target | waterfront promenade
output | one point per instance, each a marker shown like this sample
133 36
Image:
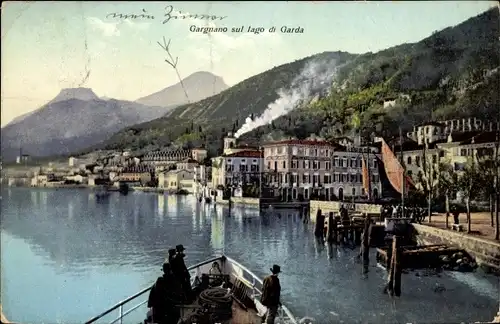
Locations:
480 224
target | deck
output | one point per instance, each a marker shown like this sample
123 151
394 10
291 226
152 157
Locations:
239 314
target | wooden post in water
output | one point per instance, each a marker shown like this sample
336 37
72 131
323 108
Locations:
330 235
320 223
365 239
393 286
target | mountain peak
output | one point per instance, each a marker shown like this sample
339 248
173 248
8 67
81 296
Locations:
199 85
75 93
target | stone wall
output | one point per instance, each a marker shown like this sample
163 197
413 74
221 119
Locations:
487 253
334 206
245 201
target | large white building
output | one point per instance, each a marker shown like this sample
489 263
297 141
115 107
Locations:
319 168
235 168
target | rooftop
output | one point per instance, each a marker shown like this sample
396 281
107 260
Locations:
245 154
300 142
486 137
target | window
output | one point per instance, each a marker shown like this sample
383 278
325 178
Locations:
275 165
409 172
408 160
417 160
441 154
354 191
303 164
327 165
284 164
463 152
336 161
326 179
344 162
434 158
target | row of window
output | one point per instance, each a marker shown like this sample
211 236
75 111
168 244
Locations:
326 165
326 179
242 161
243 168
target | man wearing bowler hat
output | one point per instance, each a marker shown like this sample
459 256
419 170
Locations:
271 291
181 271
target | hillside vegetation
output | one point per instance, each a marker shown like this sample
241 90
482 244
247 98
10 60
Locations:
452 73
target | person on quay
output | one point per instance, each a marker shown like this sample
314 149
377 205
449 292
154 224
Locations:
181 271
271 292
164 297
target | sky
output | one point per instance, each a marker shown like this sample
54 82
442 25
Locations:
48 46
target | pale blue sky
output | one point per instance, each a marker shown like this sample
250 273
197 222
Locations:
44 44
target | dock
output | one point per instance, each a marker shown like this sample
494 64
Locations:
427 256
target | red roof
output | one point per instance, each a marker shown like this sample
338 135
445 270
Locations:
245 154
301 142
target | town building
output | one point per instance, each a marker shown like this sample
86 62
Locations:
202 178
231 145
187 164
177 180
435 131
140 174
236 168
165 158
315 168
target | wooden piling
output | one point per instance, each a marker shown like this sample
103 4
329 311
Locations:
365 240
393 286
330 228
320 223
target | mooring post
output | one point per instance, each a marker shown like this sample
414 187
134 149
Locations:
365 240
398 265
330 227
393 286
320 223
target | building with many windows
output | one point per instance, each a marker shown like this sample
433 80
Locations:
237 168
313 168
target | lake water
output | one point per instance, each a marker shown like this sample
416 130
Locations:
66 257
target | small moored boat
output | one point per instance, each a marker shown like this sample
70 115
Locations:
238 303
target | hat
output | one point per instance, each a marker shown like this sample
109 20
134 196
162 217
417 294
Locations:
180 248
171 252
275 269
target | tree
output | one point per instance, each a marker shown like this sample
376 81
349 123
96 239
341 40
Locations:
447 184
428 179
487 172
469 184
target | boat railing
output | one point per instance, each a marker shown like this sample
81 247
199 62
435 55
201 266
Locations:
120 306
254 282
246 276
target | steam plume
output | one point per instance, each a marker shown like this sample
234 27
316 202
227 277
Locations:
316 76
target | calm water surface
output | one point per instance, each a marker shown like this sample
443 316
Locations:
66 257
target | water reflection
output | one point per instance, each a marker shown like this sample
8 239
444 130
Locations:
108 251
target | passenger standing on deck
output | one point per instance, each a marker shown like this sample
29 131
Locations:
171 256
164 298
181 271
271 291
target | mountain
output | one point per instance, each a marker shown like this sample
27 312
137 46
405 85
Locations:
84 94
74 119
450 74
199 85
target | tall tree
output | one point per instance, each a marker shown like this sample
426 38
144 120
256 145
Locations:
447 185
428 178
470 185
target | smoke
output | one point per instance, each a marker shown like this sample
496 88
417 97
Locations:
315 77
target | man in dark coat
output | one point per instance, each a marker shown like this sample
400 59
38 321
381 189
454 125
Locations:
181 272
271 292
164 298
171 256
